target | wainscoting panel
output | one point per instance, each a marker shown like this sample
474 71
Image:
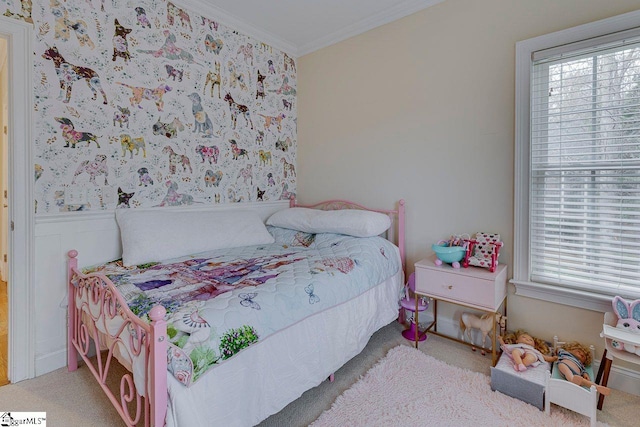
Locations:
96 237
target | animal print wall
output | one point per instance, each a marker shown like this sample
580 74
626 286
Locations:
145 103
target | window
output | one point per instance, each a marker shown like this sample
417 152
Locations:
578 164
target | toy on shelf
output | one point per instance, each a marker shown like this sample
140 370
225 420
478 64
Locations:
484 323
628 320
483 251
451 251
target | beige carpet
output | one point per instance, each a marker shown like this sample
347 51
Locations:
73 399
409 388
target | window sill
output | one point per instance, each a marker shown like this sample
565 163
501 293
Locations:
570 297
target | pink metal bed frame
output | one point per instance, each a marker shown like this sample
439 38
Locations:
105 303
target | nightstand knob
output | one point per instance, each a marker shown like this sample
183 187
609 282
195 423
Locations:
450 287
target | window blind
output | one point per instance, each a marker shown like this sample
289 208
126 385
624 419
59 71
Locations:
584 227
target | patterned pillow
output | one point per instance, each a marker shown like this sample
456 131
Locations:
289 237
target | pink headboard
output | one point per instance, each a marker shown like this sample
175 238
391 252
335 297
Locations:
396 232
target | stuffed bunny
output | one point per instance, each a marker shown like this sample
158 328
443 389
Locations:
629 320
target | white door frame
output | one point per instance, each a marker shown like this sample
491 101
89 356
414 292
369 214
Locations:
21 290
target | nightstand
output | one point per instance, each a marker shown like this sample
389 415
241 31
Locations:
472 287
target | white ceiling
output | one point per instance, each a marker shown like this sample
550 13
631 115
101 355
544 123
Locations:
299 27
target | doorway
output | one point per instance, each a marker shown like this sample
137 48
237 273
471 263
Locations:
4 215
16 113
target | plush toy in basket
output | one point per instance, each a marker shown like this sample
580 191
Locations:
451 251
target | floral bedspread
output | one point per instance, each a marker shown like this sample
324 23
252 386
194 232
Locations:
223 301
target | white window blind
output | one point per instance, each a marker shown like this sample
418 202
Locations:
584 195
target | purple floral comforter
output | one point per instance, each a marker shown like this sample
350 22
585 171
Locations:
223 301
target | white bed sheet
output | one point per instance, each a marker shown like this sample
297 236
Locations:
264 378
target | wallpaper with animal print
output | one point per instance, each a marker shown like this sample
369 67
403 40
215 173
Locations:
142 103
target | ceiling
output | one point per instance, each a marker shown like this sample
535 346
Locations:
298 27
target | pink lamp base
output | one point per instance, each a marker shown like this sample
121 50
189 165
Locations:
410 333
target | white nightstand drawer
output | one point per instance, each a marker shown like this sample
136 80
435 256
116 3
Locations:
472 286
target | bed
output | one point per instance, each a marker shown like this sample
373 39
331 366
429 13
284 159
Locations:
230 335
568 395
543 385
528 386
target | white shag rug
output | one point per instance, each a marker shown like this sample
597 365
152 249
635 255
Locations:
410 388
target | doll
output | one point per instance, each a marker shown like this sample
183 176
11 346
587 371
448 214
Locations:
525 350
572 359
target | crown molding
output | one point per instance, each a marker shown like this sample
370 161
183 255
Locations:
390 14
235 23
386 16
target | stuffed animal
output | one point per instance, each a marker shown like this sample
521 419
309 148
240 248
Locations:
484 323
628 320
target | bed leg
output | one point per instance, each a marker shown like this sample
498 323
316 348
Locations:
601 368
605 367
547 400
158 383
593 398
72 354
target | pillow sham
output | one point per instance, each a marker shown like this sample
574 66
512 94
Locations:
288 237
150 236
353 222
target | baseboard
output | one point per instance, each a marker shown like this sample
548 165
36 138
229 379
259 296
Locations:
51 362
96 236
620 378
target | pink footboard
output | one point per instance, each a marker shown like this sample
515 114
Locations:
96 305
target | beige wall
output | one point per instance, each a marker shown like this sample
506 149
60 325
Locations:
423 109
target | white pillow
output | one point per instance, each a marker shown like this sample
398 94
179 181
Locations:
353 222
150 236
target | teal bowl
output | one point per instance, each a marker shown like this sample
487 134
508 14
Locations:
448 254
